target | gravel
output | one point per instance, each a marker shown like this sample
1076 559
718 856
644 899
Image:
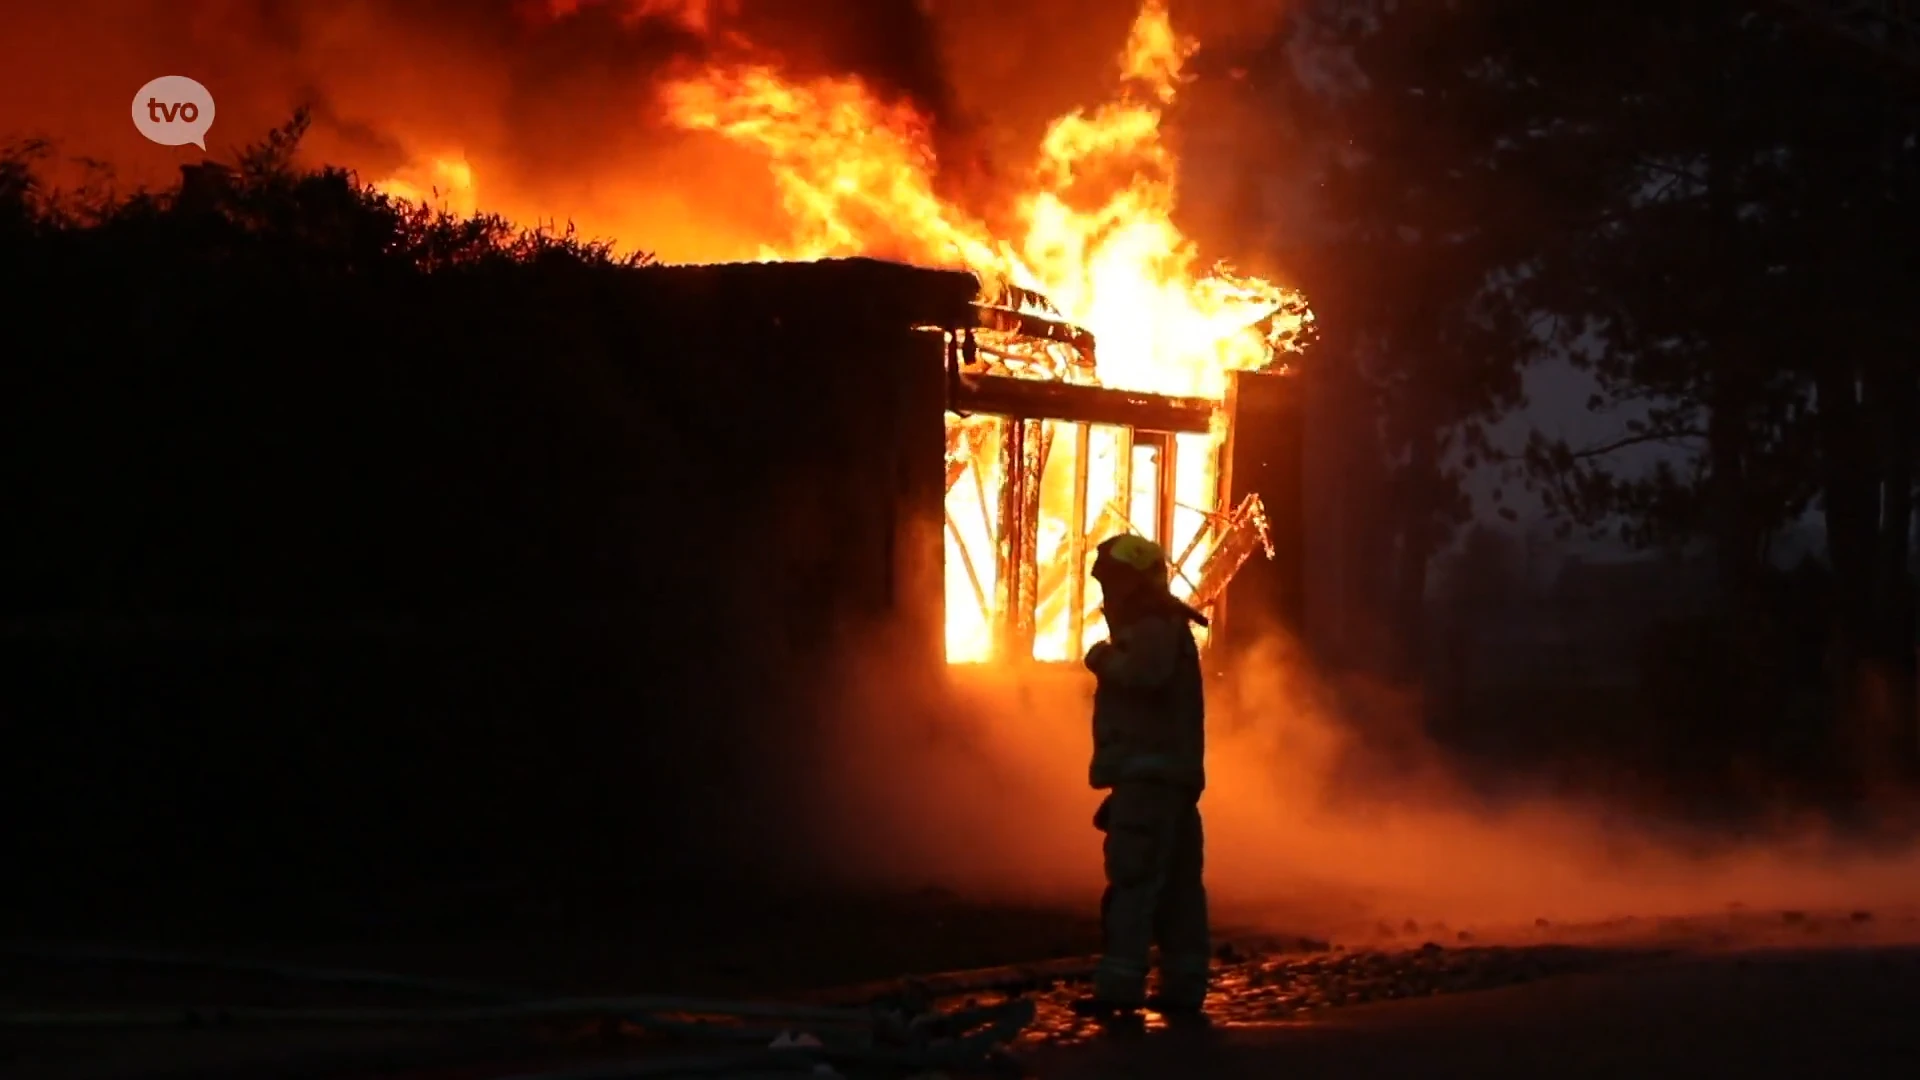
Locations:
1253 987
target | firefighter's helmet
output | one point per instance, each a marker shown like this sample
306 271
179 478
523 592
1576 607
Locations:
1129 554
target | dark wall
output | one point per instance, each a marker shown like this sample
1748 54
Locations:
1264 457
323 574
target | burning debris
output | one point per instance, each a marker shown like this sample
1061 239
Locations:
1255 983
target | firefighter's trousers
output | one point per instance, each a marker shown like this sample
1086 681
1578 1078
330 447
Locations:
1155 895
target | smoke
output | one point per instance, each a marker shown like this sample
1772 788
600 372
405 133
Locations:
550 105
980 787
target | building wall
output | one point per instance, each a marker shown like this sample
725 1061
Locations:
1266 457
522 576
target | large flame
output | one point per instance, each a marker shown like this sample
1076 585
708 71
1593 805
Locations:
1096 220
1092 231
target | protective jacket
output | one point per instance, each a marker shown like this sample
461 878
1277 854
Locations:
1149 707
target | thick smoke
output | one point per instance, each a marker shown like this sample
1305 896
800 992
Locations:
980 787
551 104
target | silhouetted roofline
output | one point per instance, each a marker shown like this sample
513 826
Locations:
863 288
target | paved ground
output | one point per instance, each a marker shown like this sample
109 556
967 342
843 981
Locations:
1671 999
716 943
1802 1013
727 946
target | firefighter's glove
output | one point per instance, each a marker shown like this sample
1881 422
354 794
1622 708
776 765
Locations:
1098 655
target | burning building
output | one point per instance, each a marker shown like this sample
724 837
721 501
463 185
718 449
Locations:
1103 379
1096 389
980 553
1043 462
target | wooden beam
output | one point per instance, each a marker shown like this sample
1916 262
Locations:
1034 399
1028 324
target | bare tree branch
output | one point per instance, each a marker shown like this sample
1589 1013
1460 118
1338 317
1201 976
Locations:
1668 435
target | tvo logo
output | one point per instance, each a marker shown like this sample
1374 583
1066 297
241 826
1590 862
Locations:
174 110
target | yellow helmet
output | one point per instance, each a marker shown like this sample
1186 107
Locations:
1136 553
1127 559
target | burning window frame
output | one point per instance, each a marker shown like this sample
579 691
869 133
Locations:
1017 381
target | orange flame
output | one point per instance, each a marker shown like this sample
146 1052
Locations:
444 183
856 175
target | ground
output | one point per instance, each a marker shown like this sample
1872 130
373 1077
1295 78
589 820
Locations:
1777 994
729 943
1799 1013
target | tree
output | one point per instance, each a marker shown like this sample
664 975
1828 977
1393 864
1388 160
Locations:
1409 133
1711 215
1487 576
1742 281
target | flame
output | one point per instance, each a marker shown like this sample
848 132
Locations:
1155 53
445 183
856 175
1093 231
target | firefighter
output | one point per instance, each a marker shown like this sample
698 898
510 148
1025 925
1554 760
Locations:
1148 743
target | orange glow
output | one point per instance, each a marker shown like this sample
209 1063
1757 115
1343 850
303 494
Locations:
697 16
446 183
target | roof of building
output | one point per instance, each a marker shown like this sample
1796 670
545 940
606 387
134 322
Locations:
856 289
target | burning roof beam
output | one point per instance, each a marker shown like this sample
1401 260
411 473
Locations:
1034 399
1246 531
1028 324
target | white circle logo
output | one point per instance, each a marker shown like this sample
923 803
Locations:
174 110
